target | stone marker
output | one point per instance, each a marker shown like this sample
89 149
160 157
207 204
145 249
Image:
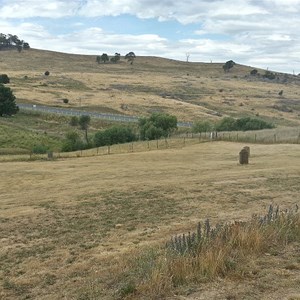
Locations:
244 157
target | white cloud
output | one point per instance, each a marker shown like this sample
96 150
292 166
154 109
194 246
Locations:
251 31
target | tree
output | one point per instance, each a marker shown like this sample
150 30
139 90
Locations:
7 102
226 124
130 57
116 58
11 41
202 126
4 79
74 121
98 59
114 135
156 126
72 142
228 65
84 122
104 57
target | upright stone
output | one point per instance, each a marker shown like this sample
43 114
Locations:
244 157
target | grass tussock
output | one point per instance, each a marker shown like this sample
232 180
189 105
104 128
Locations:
208 253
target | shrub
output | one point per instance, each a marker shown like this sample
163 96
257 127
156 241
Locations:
114 135
4 79
226 124
72 142
40 149
242 124
156 126
202 126
74 121
65 100
269 75
47 73
253 72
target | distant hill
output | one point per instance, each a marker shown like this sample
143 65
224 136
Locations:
189 90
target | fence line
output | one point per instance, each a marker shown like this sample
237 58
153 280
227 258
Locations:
259 137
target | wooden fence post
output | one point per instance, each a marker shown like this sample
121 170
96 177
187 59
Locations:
156 144
108 149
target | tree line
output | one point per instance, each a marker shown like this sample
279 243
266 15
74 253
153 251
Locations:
10 41
104 58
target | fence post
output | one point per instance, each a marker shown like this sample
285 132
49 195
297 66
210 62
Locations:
148 145
237 137
298 138
275 138
156 144
166 143
131 147
255 138
108 149
184 141
97 150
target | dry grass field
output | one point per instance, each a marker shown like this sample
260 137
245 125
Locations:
188 90
67 225
76 227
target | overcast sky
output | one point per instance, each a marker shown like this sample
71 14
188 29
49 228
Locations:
258 33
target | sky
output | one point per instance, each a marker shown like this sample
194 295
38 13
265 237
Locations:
257 33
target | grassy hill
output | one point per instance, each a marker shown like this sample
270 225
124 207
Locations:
188 90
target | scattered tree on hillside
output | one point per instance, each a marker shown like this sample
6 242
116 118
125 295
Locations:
254 72
104 57
84 122
10 41
8 105
269 75
116 58
228 65
4 79
98 59
130 57
156 126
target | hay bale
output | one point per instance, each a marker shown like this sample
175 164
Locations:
244 157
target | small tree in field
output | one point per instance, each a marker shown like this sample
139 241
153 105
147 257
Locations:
130 57
156 126
104 57
202 126
228 65
7 102
84 122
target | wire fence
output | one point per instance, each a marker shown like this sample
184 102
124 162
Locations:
284 135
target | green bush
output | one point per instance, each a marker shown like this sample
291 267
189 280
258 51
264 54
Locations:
242 124
269 75
156 126
114 135
40 149
202 126
74 121
73 142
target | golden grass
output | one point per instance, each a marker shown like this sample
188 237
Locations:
188 90
66 223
